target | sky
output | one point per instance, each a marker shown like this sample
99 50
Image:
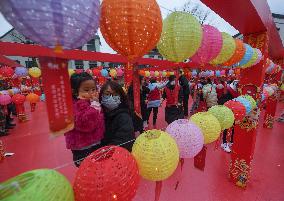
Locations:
276 6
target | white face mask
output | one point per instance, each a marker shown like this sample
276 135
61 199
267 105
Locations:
173 83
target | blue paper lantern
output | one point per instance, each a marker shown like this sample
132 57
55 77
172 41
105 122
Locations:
21 71
42 97
247 57
104 73
246 103
218 73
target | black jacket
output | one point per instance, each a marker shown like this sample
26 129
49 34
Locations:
184 84
119 128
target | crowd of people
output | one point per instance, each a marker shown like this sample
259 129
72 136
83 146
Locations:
106 116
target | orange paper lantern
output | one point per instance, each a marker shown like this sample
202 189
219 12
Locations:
238 55
32 98
132 28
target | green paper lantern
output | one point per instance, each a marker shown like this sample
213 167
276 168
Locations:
251 100
224 115
37 185
252 60
227 51
181 37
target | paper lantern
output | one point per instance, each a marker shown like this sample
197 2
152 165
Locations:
16 90
247 57
223 73
6 71
34 72
76 19
109 173
79 71
141 22
282 87
152 73
119 72
10 92
96 72
32 98
164 73
181 37
18 99
188 137
269 90
227 51
21 71
71 72
172 73
211 45
218 73
208 124
194 73
147 74
35 185
5 99
231 72
252 60
112 73
141 73
224 115
259 57
156 73
251 100
237 108
270 68
104 73
42 97
4 92
238 54
245 103
157 155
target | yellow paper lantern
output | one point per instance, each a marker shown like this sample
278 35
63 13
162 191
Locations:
157 155
172 73
147 74
208 124
181 36
282 87
112 73
164 73
157 73
71 72
252 60
227 51
224 115
35 72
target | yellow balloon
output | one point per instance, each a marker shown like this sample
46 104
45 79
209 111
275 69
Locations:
157 155
227 51
208 124
35 72
71 71
112 73
224 115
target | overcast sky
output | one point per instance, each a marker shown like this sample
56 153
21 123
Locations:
276 6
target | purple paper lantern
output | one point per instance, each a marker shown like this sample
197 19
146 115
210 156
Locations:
69 23
211 45
194 73
188 136
21 71
5 99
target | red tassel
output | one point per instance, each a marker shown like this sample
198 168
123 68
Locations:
199 159
158 190
181 161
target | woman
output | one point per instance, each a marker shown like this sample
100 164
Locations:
118 121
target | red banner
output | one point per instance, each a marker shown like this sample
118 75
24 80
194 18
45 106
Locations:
57 89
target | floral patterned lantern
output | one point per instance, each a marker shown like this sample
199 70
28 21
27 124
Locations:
21 71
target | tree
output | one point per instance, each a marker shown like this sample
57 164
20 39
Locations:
203 15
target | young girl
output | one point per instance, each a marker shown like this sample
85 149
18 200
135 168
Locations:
88 118
118 119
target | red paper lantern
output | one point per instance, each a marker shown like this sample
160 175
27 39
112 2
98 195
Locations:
109 173
32 98
18 99
238 109
142 73
78 71
7 72
96 72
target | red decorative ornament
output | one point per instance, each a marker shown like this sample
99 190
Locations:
96 72
238 109
109 173
7 72
78 71
32 98
18 99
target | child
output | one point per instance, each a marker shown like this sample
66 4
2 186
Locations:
88 118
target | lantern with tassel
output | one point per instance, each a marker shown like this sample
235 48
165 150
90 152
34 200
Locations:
5 99
224 115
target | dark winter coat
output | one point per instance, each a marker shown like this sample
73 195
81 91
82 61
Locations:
119 128
183 81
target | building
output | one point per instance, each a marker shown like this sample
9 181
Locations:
15 37
279 22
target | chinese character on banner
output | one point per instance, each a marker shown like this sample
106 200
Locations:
57 89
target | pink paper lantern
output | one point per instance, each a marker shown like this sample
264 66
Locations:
223 73
152 73
5 99
120 72
210 47
188 137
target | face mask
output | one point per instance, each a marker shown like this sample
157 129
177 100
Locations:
173 83
111 102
